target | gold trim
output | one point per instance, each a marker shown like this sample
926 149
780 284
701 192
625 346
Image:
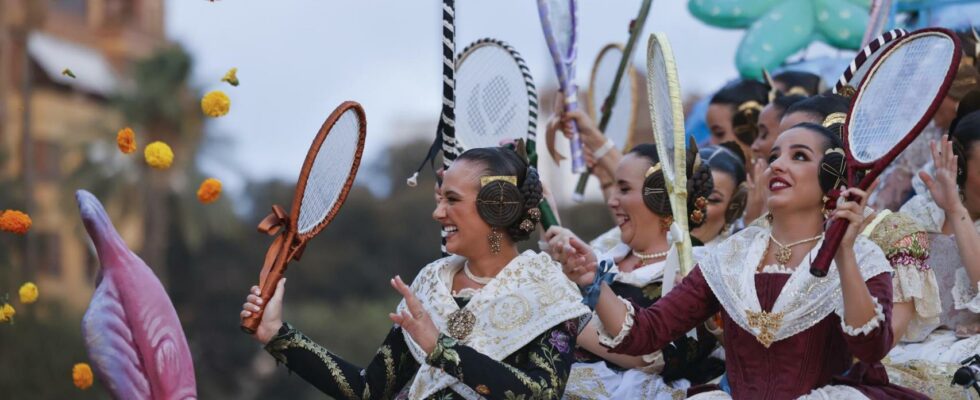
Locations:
485 180
797 90
749 105
652 170
834 118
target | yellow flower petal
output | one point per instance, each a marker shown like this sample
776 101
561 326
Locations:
209 191
28 293
14 221
81 374
231 77
7 312
158 155
126 140
215 104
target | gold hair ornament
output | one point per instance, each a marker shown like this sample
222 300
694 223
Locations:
485 180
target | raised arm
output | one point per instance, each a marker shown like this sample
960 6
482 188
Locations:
958 221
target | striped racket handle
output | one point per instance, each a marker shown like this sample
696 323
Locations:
449 148
828 250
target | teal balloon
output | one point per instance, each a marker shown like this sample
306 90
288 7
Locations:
777 29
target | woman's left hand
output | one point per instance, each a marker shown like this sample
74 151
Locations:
415 320
852 210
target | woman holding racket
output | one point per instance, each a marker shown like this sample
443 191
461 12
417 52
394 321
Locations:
488 321
639 262
786 332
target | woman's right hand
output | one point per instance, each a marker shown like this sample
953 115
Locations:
271 318
758 191
560 120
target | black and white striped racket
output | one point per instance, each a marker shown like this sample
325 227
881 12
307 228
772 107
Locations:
856 71
497 102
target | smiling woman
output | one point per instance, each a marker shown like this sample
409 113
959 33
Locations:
463 328
773 307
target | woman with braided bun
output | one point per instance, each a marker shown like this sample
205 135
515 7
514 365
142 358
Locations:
486 323
729 193
787 334
641 260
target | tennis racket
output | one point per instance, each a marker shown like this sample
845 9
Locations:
447 120
558 20
622 117
896 100
324 182
611 92
497 102
667 117
859 67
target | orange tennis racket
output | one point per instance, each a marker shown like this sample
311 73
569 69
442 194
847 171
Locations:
324 182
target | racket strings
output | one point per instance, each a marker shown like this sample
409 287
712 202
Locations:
562 24
328 176
661 109
898 94
494 96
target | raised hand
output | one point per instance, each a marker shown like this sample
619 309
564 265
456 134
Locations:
578 261
851 208
271 318
415 319
943 187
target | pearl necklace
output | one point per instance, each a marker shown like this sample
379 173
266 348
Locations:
478 279
785 252
652 256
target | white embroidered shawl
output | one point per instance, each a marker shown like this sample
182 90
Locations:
805 300
528 297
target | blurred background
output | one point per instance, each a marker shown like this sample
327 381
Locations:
146 63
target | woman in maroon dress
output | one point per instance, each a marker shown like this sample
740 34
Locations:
787 334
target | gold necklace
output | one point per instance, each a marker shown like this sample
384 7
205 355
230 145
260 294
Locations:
785 252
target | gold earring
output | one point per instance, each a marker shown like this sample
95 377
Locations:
495 238
665 223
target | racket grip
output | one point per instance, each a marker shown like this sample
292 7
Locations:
578 160
267 287
548 218
829 248
583 180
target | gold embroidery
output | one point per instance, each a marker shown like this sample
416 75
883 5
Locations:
389 370
301 342
483 390
767 324
510 312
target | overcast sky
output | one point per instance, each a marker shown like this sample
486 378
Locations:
298 59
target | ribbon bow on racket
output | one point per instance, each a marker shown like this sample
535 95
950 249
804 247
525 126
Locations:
277 223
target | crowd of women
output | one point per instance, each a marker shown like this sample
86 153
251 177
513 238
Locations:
613 317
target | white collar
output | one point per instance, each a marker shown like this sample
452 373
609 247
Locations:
805 300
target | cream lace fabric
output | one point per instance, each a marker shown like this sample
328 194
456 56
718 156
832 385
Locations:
869 326
605 338
606 241
529 296
965 295
803 302
830 392
776 269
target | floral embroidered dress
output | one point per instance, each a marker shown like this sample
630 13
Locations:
514 340
784 334
670 372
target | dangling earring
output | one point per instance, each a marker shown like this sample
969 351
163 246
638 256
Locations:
823 207
495 238
665 223
769 218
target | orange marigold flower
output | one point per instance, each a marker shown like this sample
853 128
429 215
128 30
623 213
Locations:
15 222
7 312
81 374
28 293
215 104
158 155
209 191
126 140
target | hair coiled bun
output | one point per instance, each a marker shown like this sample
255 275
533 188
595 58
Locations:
532 192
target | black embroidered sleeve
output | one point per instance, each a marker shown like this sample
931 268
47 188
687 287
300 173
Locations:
391 368
539 370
